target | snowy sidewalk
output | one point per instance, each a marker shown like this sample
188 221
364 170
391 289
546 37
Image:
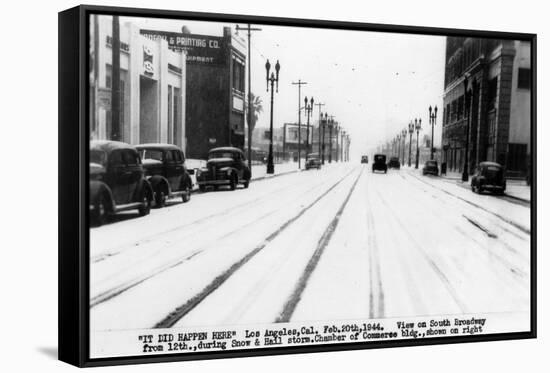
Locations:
259 171
514 188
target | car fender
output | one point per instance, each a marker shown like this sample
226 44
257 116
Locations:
159 180
144 187
99 187
188 180
246 174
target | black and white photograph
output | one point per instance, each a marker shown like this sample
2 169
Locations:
263 186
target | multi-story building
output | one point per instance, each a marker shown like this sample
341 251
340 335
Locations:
215 85
499 97
175 87
152 86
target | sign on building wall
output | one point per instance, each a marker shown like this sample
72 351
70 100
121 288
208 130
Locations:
292 133
201 49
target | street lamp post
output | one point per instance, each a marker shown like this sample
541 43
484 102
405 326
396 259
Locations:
324 130
411 130
274 78
299 83
330 125
398 140
404 137
467 94
336 134
432 118
308 109
342 134
320 119
418 127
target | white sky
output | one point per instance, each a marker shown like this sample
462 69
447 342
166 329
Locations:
373 83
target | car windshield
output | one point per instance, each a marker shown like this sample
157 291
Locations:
220 155
492 171
431 163
98 156
380 158
151 154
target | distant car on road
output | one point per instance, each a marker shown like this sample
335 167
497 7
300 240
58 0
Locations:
379 163
313 161
225 166
394 163
488 176
165 169
364 159
431 168
117 181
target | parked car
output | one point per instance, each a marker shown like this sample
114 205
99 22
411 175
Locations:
379 163
394 163
225 166
488 176
313 161
364 159
117 181
164 166
430 167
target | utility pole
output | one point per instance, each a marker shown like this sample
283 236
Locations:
300 84
115 82
249 63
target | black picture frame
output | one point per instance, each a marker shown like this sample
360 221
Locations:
73 250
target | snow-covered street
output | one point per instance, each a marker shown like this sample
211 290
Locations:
338 243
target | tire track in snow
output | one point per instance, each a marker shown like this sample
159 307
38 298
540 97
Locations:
173 317
127 285
294 299
121 248
375 277
444 279
513 223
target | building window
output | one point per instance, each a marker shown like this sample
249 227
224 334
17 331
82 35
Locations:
460 109
177 119
491 136
170 117
492 94
448 113
454 114
524 78
238 75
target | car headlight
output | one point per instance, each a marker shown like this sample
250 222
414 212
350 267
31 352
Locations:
198 173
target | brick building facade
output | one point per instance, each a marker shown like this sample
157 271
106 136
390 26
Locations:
499 98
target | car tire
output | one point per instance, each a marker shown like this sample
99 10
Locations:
479 189
187 195
145 208
202 188
233 183
246 183
100 214
160 197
